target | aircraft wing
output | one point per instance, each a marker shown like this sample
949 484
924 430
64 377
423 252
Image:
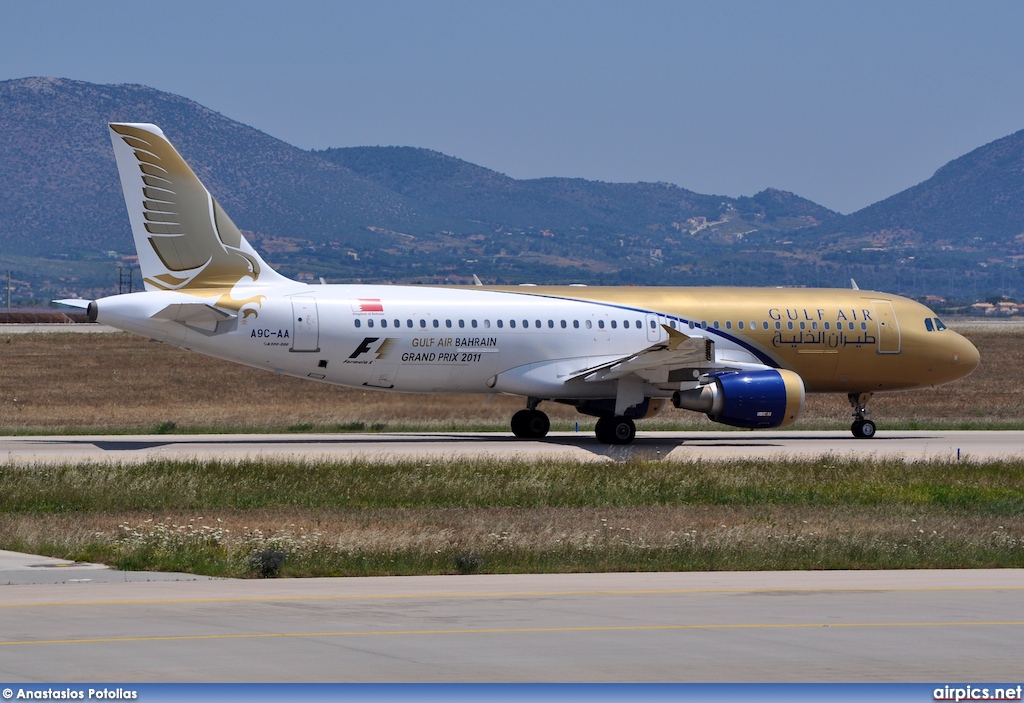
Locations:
657 362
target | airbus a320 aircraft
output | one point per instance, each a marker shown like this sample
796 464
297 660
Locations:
744 356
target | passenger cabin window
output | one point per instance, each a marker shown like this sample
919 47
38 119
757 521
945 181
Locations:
625 324
740 324
369 323
437 323
500 324
423 323
615 324
462 324
383 323
589 324
473 323
487 324
600 323
358 322
511 323
764 325
575 324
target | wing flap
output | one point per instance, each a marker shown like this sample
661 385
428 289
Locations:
656 362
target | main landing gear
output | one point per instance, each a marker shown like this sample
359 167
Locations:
862 428
530 423
615 430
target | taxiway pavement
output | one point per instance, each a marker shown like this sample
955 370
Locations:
936 626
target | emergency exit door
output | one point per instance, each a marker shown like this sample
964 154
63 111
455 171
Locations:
306 326
888 327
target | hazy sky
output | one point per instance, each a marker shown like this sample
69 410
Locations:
844 104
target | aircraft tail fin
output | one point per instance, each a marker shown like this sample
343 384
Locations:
184 239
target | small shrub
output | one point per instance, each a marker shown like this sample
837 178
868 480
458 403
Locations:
267 563
468 562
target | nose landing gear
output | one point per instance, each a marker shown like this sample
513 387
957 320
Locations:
862 428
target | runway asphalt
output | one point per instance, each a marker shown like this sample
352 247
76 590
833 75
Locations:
933 626
920 444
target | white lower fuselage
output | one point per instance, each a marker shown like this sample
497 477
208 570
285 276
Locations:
527 342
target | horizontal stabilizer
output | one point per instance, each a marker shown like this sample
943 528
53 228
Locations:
198 315
74 303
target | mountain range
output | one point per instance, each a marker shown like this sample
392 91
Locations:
406 214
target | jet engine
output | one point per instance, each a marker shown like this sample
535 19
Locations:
752 399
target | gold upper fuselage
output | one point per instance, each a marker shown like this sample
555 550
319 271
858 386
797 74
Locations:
837 340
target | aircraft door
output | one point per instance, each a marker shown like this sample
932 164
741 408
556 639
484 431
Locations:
888 327
306 325
653 328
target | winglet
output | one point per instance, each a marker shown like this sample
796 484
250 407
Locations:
675 337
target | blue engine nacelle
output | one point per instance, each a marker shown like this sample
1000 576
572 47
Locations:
752 399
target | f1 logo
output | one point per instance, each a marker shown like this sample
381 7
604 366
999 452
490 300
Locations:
364 347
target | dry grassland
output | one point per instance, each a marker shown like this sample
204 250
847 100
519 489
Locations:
327 518
124 383
524 540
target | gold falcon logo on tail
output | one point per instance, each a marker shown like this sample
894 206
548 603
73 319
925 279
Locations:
185 240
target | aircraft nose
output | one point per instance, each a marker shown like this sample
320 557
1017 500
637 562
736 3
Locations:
965 356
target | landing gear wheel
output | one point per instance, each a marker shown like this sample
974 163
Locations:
530 424
615 430
863 429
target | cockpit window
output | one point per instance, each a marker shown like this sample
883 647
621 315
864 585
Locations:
928 324
938 324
